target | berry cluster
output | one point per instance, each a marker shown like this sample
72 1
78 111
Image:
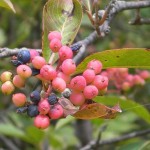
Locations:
123 80
44 105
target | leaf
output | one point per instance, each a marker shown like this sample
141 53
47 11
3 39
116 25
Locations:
119 58
96 110
126 104
7 4
87 4
63 16
145 146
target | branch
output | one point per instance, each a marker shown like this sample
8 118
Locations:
141 21
118 139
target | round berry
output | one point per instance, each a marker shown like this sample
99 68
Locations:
32 111
6 76
68 66
55 45
18 81
145 74
56 112
65 77
7 87
77 98
90 92
41 121
24 71
126 86
137 80
24 56
38 62
95 65
48 72
52 99
33 53
101 82
78 83
35 96
89 75
59 84
53 35
44 107
19 99
65 52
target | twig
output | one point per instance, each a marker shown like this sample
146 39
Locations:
118 139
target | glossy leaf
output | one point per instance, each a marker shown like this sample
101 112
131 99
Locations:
97 110
7 4
127 58
126 105
63 16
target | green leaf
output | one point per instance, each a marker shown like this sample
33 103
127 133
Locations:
127 58
145 146
63 16
7 4
126 105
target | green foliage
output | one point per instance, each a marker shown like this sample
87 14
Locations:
127 58
63 16
7 4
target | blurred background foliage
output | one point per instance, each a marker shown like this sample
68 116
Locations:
24 29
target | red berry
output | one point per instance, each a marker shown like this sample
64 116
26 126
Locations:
42 121
77 98
78 83
43 107
65 52
7 87
59 84
6 76
48 72
19 99
68 66
65 77
101 82
55 45
53 35
24 71
18 81
89 75
38 62
56 112
33 53
95 65
90 92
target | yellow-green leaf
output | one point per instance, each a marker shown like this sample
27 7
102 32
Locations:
7 4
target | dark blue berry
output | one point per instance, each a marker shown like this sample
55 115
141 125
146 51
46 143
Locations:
22 109
32 111
76 47
52 99
35 71
16 62
24 56
35 96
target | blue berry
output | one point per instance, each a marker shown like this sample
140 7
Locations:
32 111
35 96
76 47
16 62
24 56
52 99
35 71
22 109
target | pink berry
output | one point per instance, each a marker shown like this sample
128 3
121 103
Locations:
18 81
33 53
43 107
77 98
145 74
65 77
56 112
90 92
7 87
19 99
101 82
6 76
41 121
137 80
89 75
65 52
95 65
78 83
38 62
53 35
68 66
55 45
48 72
24 71
59 84
126 86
